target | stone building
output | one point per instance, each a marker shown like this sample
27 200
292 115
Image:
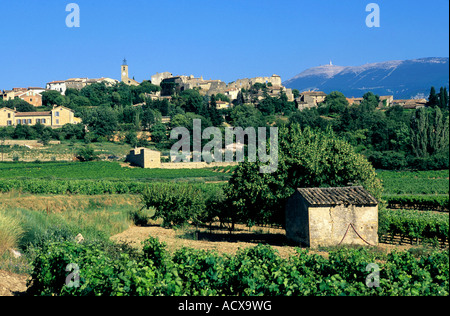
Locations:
124 75
144 157
158 77
310 99
57 117
332 216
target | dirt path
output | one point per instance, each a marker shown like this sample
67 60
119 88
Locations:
221 242
12 284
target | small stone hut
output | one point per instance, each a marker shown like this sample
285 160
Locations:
332 216
144 157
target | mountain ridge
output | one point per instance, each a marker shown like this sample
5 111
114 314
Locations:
402 78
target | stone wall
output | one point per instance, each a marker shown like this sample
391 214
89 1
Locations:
297 220
329 226
196 165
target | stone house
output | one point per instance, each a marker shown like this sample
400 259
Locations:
332 216
144 157
57 85
32 97
57 117
310 99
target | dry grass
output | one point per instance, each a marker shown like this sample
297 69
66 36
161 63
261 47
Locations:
10 232
63 203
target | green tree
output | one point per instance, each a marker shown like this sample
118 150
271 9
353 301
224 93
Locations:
246 116
159 134
87 153
335 102
52 97
213 114
433 99
239 99
443 98
102 121
429 132
307 158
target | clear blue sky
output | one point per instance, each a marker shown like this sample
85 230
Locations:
218 39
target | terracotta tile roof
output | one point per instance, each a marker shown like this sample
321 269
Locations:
21 114
356 195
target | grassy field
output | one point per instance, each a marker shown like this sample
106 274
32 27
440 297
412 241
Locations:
104 170
62 152
415 182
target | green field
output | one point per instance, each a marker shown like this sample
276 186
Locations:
415 182
103 170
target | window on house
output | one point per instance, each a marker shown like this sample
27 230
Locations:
57 122
43 121
19 122
29 121
9 115
9 123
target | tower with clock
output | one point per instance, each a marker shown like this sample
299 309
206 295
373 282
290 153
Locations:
124 75
124 71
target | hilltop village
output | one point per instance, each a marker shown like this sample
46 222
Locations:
167 85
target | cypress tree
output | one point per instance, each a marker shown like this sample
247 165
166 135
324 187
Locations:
433 99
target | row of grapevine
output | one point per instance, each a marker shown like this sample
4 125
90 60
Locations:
88 187
100 170
414 225
418 202
257 271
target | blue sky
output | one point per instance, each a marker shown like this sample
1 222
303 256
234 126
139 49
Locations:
217 39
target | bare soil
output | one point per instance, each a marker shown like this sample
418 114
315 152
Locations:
219 240
12 284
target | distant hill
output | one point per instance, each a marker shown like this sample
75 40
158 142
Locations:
402 78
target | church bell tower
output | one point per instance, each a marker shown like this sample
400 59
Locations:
124 71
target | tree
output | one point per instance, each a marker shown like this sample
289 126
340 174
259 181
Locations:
52 97
443 98
20 105
131 138
239 99
335 102
159 133
213 114
246 116
433 99
193 101
87 153
102 121
429 132
45 136
267 106
307 158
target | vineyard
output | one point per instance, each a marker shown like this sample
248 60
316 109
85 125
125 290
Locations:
415 213
112 270
104 170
